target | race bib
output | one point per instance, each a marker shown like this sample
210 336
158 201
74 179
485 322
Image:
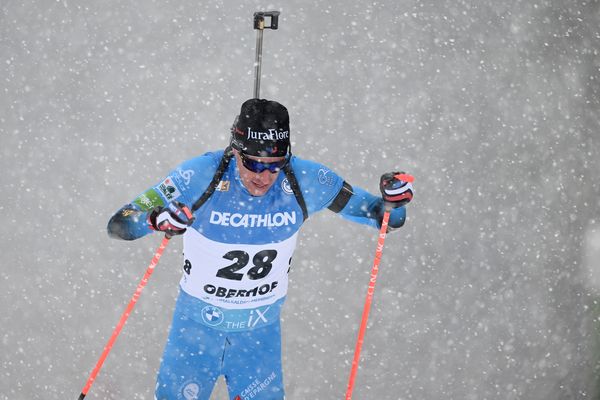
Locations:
235 276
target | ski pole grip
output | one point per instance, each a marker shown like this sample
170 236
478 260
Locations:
405 177
259 20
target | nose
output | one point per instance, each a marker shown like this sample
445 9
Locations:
264 176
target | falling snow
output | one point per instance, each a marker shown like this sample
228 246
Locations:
490 291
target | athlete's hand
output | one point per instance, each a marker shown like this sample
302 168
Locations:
172 219
396 188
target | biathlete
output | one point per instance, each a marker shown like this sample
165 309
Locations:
239 211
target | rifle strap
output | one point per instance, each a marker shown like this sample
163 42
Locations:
224 164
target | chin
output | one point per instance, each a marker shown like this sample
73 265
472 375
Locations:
259 191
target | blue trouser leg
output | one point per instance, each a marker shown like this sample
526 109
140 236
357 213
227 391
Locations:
252 364
191 361
196 355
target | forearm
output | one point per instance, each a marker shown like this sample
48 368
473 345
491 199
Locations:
365 208
129 223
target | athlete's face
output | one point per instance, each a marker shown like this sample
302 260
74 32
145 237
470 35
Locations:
257 183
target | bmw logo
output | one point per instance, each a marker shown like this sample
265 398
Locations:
212 315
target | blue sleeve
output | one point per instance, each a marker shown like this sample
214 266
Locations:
320 186
365 208
185 184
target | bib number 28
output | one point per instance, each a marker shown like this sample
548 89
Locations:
262 265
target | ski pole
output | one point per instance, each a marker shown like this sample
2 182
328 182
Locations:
125 315
371 291
368 301
259 25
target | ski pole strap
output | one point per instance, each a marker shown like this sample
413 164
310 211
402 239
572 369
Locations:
216 179
291 177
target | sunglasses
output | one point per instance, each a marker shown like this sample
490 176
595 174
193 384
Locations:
258 167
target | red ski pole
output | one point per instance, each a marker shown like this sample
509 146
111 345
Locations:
125 315
371 291
368 301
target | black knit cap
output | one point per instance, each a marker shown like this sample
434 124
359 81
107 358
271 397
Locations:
262 129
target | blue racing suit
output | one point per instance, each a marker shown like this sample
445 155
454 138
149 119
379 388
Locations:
237 256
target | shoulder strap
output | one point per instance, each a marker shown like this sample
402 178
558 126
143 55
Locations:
227 155
289 173
216 179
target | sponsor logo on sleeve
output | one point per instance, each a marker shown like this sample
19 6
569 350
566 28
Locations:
169 190
127 212
186 175
148 200
326 177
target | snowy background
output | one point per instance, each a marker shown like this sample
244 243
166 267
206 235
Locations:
491 289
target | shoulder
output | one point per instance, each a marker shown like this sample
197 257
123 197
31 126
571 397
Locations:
313 173
206 160
319 184
190 178
197 170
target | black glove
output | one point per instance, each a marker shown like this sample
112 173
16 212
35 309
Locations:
172 219
396 188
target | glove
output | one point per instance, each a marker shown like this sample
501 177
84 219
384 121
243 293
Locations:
396 188
172 219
